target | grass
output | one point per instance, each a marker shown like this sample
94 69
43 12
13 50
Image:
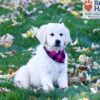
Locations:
84 32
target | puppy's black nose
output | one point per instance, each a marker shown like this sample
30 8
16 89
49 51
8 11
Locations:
57 43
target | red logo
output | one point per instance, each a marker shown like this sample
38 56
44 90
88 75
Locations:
87 5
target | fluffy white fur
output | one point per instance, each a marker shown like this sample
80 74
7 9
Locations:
41 71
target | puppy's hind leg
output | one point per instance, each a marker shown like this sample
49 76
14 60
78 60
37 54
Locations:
21 79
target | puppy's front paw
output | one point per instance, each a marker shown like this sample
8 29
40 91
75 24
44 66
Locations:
47 84
63 82
48 88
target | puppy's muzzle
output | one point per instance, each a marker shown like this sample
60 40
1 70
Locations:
57 43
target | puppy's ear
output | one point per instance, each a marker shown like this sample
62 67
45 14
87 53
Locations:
67 34
41 35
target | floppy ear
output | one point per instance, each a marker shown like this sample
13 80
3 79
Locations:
41 35
67 33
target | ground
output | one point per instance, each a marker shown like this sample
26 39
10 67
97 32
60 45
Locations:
81 29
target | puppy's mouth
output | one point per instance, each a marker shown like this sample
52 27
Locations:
57 45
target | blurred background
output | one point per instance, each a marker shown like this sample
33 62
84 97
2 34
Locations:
19 24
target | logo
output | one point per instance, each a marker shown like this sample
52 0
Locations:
91 9
87 5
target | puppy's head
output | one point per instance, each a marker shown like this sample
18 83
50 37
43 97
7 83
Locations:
54 35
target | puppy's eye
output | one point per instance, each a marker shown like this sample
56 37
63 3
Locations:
61 34
52 34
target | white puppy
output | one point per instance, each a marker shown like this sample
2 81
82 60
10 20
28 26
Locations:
49 65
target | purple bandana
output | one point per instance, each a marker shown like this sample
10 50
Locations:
56 56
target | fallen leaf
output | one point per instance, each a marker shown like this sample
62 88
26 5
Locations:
82 79
95 46
7 45
79 49
88 77
4 89
12 66
93 90
74 43
96 30
7 76
65 98
31 33
48 3
11 53
75 86
83 99
75 13
84 59
70 9
10 71
96 65
85 21
7 40
73 79
1 20
2 55
40 12
98 83
1 72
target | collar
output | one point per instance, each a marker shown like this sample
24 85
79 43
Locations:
56 56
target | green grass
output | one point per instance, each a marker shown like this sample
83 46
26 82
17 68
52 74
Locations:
84 32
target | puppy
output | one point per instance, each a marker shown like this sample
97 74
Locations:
49 65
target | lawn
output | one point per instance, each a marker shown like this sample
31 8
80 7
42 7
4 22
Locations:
81 29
